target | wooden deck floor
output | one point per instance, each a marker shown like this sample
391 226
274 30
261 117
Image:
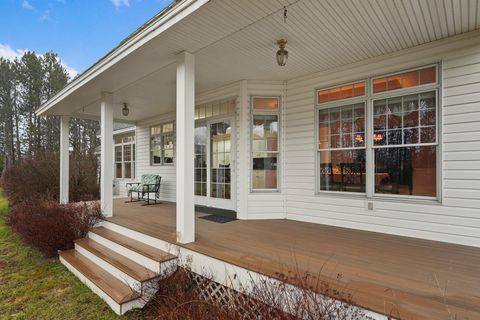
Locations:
404 277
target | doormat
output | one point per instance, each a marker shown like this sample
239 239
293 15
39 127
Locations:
218 219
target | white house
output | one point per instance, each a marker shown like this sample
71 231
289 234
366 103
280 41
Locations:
372 124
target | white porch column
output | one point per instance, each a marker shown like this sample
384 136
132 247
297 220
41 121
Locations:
243 154
185 147
106 156
64 158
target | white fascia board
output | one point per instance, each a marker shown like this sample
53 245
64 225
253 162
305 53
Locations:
164 20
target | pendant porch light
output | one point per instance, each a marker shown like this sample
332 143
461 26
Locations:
282 54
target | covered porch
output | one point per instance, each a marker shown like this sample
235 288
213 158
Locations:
399 276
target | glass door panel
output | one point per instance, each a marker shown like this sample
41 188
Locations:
201 138
220 156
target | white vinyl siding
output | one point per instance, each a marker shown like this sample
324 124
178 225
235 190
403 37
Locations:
457 217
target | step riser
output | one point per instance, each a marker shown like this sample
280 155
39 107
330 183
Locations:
122 276
132 255
148 240
167 267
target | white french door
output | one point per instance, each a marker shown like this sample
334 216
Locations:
214 169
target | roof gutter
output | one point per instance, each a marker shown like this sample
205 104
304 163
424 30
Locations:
168 17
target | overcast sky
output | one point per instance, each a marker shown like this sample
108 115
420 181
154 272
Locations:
80 31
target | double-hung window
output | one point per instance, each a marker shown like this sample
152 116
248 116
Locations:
265 138
125 156
405 133
341 143
390 132
162 144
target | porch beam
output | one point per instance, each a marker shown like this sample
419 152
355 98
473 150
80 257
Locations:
64 159
185 209
106 154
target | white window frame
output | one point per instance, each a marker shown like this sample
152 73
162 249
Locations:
369 99
133 145
162 151
277 113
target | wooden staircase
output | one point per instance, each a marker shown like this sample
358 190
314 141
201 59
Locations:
124 272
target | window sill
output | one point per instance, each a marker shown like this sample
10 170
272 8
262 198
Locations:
405 199
379 198
266 191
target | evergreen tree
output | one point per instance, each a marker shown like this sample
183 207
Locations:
25 84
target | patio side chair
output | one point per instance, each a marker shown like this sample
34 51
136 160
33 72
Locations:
149 183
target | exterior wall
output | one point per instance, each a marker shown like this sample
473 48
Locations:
456 217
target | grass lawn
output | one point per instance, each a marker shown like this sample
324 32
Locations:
34 287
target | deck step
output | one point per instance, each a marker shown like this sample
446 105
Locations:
124 272
134 245
118 291
125 265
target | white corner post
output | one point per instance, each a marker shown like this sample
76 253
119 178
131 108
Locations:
243 154
106 155
185 147
64 158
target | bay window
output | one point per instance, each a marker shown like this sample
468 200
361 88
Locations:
265 139
162 144
391 132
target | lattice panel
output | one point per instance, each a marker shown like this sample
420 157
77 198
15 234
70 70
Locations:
217 293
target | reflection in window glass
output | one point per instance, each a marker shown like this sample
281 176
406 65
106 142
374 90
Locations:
342 170
408 120
156 149
162 144
260 103
264 151
168 148
125 157
406 171
405 80
220 152
402 133
341 92
341 144
200 164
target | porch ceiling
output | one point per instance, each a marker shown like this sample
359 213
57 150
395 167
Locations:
235 40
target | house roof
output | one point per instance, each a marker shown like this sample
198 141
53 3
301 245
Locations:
234 40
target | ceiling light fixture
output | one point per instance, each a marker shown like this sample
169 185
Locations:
282 54
125 110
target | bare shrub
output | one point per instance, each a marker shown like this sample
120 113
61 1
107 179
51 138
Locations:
179 297
187 295
38 178
50 226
